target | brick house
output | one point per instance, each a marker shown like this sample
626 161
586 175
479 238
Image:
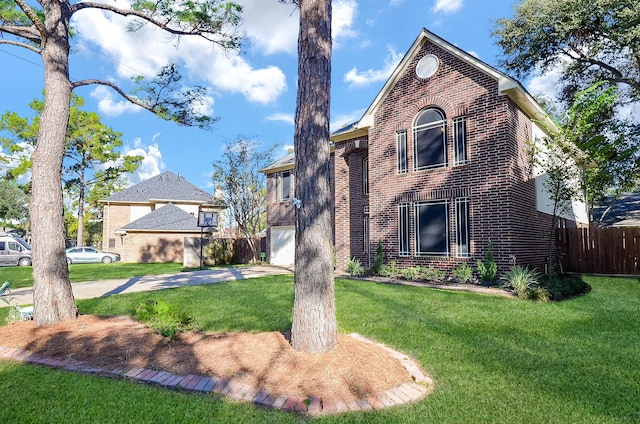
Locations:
149 221
438 166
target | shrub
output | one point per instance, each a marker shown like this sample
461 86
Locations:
564 286
390 270
162 318
378 261
462 273
411 273
524 282
219 252
431 273
355 268
487 270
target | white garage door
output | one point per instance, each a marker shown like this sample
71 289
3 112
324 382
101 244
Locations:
283 242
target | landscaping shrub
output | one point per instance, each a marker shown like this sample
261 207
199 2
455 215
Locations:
378 261
219 252
162 318
487 270
431 273
355 268
462 273
524 282
390 270
411 273
564 286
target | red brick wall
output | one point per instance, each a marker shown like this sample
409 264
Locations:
496 179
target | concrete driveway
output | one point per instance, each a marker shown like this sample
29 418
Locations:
102 288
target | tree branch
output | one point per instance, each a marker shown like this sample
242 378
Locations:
30 33
130 98
33 17
19 44
172 23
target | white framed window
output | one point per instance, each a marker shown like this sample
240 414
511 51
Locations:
283 186
429 140
365 175
403 229
462 228
401 150
432 228
459 140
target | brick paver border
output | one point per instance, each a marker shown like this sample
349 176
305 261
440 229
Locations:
421 386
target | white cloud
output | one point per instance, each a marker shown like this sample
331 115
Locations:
108 104
357 78
340 121
394 3
152 163
343 16
282 117
259 18
447 6
145 51
546 84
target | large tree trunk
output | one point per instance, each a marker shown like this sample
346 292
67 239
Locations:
314 327
52 296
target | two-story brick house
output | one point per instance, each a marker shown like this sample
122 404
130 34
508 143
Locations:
438 166
149 221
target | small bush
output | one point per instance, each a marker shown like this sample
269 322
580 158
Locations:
219 252
355 268
162 318
462 273
379 260
488 270
524 282
390 270
431 273
564 286
411 273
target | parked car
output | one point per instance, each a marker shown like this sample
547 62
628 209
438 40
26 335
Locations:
14 250
85 255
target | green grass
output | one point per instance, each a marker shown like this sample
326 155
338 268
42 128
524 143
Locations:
21 276
493 359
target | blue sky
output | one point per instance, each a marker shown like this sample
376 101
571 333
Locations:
252 92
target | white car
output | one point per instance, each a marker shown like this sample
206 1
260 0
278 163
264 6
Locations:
85 255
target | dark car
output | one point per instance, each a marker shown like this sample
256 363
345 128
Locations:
85 255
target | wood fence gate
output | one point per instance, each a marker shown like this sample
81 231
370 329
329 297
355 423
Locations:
600 250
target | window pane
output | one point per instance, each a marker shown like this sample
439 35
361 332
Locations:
365 175
432 228
286 185
403 229
430 147
276 191
401 138
429 116
462 227
460 140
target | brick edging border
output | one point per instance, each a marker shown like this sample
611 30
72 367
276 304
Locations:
421 386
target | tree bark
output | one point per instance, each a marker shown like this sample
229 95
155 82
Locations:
314 327
52 295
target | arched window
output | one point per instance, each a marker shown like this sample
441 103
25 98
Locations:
430 146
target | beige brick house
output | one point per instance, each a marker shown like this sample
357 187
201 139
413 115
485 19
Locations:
438 166
149 221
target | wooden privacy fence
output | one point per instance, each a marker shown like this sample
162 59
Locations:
600 250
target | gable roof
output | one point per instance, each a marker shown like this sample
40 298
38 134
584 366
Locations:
167 187
287 162
166 218
507 86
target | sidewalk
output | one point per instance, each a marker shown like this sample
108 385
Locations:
103 288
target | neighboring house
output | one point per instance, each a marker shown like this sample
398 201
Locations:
438 166
149 221
624 212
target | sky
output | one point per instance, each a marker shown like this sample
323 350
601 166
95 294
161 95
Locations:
253 91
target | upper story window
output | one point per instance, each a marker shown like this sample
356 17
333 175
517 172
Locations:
365 176
430 146
283 186
401 148
459 141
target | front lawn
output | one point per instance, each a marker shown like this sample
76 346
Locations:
493 359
